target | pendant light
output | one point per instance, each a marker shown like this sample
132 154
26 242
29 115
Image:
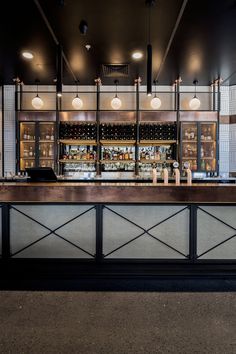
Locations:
77 102
155 101
59 71
37 102
195 103
116 101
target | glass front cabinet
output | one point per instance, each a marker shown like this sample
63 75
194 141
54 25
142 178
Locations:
36 145
199 146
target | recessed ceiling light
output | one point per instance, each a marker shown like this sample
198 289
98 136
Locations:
137 55
27 54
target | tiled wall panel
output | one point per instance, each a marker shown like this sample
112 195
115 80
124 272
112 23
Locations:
9 130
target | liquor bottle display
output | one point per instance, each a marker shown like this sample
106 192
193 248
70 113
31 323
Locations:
78 131
79 153
114 153
160 153
198 146
36 144
158 131
110 131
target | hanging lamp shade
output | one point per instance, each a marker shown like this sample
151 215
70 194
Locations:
155 101
77 103
116 102
37 101
195 102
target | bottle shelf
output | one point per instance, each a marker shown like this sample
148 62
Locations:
208 141
155 160
77 142
46 158
117 161
27 141
189 141
207 158
46 141
189 158
27 158
117 142
76 161
156 142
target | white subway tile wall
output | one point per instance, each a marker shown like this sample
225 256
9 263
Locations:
232 100
0 131
9 130
224 90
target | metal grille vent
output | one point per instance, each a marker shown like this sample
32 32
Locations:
115 70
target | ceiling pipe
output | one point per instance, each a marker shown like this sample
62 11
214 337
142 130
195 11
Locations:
49 27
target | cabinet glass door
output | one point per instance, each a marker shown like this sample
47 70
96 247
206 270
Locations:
208 147
189 145
27 145
46 144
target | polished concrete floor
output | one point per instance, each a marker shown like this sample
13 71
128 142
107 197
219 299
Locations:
117 322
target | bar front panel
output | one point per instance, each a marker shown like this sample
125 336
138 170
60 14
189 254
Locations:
52 231
153 232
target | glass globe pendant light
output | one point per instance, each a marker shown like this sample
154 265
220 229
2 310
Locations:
116 102
155 101
77 102
195 103
37 102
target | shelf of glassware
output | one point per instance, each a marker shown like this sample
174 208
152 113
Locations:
208 147
27 145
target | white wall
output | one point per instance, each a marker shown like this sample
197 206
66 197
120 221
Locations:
1 116
9 130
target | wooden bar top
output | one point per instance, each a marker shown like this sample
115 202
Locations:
59 192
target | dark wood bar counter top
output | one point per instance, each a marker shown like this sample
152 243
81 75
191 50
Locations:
122 193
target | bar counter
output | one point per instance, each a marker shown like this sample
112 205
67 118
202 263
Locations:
118 223
100 192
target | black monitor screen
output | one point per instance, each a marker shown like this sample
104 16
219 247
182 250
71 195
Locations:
41 174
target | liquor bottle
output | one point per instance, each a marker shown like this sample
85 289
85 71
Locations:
31 151
52 134
131 154
25 136
203 165
47 137
50 151
126 156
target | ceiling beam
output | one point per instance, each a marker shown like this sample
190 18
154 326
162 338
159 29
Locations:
180 14
47 23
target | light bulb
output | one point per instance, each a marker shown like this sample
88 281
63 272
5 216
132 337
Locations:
194 103
77 103
116 103
37 102
155 102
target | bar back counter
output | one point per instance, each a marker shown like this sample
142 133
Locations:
117 229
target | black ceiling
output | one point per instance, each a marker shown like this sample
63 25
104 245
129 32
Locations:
203 44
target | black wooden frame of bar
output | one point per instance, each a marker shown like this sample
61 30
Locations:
21 269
